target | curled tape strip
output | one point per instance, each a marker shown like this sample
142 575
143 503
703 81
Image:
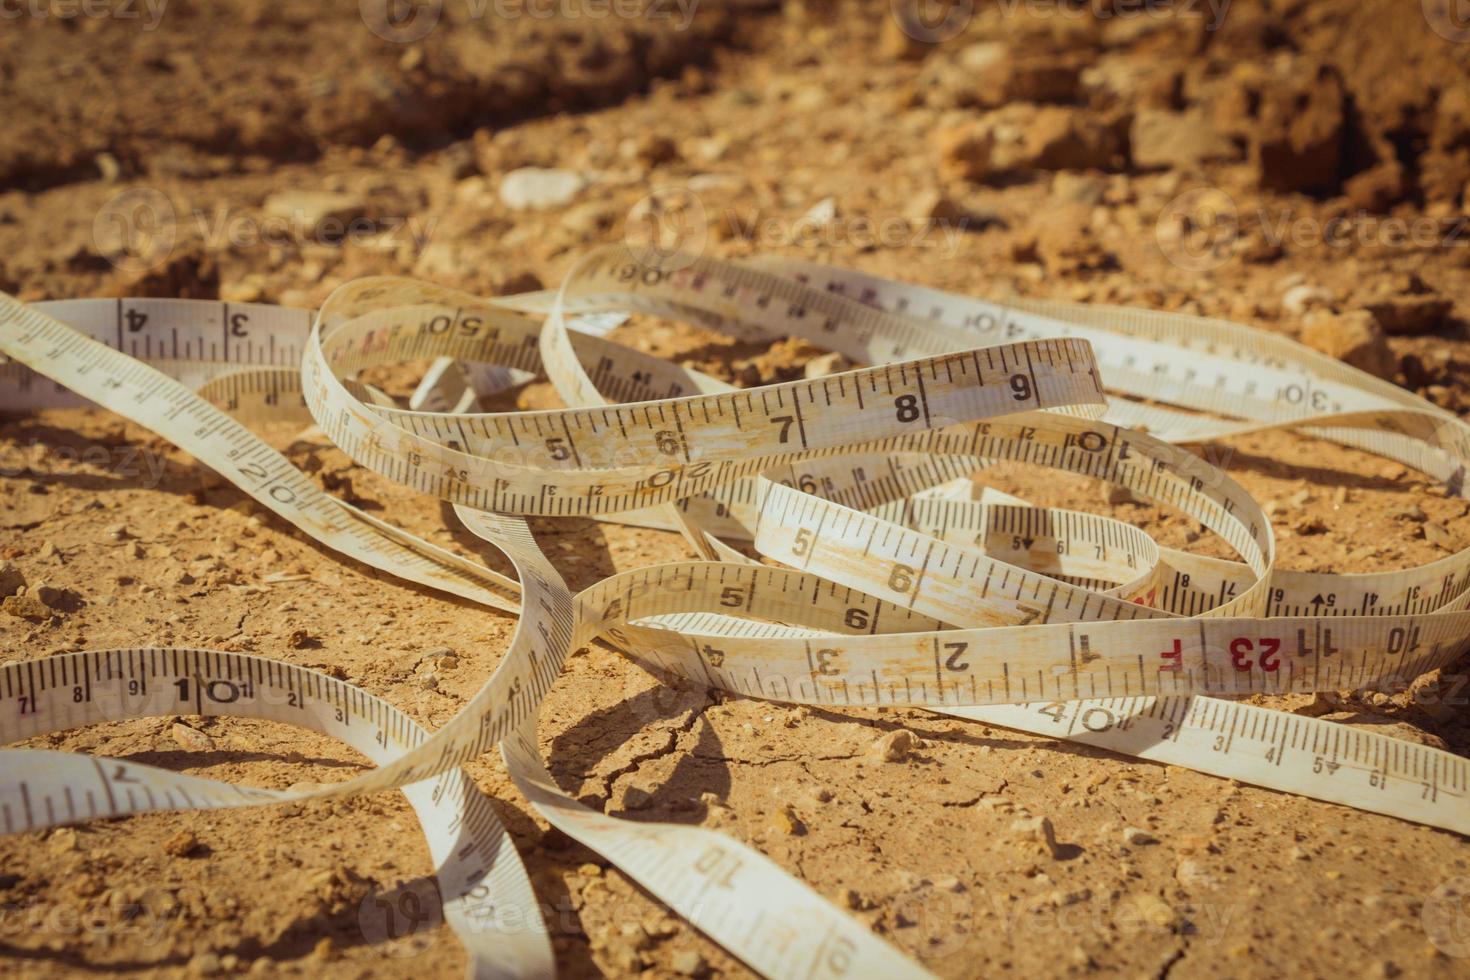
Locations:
895 585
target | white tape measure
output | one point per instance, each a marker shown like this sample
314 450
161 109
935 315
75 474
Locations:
895 586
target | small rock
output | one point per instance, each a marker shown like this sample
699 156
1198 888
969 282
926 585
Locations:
1408 306
1309 525
1193 875
1354 338
965 151
326 213
1114 494
247 290
107 167
63 840
820 215
1436 535
787 822
1137 837
1298 299
25 607
825 364
191 739
301 639
181 844
204 965
1057 138
118 532
933 205
589 219
688 963
539 187
1158 913
1160 139
1036 830
12 580
896 745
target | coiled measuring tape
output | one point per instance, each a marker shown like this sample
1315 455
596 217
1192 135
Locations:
896 586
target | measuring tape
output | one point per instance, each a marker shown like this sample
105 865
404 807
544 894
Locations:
896 585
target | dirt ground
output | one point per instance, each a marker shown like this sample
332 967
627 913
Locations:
1299 167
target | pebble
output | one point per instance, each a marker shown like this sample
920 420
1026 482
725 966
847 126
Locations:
12 580
1037 830
325 950
1137 837
25 607
62 841
1354 338
1114 494
825 364
1436 535
688 963
191 739
316 210
787 822
1158 913
965 151
204 965
1298 299
181 844
533 188
589 219
897 745
107 167
933 205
